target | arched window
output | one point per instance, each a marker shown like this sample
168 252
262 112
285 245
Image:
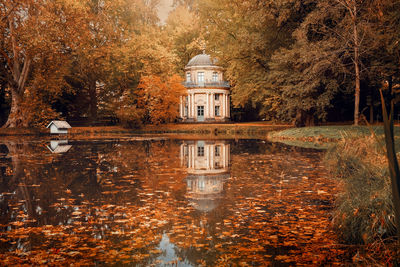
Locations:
188 78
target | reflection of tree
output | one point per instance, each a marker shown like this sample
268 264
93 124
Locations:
257 216
5 176
18 200
112 203
18 179
88 197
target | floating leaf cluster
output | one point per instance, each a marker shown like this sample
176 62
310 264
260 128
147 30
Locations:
127 203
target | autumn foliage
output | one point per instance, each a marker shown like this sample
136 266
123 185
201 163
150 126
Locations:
156 100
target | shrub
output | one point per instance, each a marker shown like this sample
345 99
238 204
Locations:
37 113
130 117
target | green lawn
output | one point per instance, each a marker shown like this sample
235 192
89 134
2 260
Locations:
329 132
322 137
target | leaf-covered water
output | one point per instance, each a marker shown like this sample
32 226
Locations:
156 202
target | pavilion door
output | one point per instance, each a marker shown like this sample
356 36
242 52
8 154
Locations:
200 113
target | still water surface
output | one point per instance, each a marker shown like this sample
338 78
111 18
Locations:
160 202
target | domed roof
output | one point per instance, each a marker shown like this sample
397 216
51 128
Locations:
201 60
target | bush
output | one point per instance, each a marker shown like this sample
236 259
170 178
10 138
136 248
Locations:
364 211
130 117
38 113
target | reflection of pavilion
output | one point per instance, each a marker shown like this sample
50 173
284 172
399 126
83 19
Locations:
207 164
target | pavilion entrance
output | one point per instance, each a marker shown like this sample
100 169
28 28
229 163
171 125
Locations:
200 113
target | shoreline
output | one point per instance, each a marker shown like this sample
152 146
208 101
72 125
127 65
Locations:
313 137
209 131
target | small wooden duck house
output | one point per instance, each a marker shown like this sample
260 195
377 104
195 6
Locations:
59 127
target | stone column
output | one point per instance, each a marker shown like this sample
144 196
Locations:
192 156
193 107
193 115
206 153
222 154
212 106
228 154
222 107
223 97
228 105
207 108
188 105
212 159
181 106
182 154
209 105
209 157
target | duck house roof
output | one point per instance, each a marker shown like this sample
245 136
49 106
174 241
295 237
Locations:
60 124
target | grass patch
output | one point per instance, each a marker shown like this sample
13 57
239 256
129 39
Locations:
328 133
323 137
364 211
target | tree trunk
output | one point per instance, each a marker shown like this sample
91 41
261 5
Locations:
392 159
299 120
357 68
93 100
15 118
16 152
17 84
357 89
304 118
310 120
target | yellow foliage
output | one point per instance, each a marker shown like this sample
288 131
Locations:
160 98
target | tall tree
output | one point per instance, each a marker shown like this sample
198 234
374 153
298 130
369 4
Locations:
350 30
243 35
353 8
33 33
303 81
155 99
92 58
183 27
109 58
329 41
18 62
354 30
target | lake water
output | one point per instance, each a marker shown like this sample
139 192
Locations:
161 202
